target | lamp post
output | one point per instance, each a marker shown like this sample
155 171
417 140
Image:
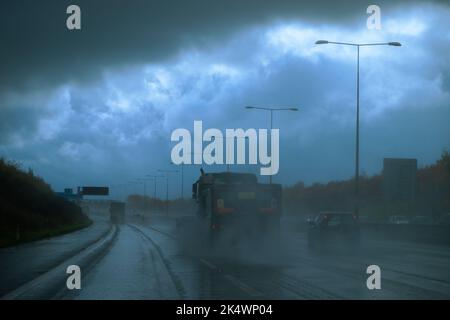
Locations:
358 45
144 181
182 181
132 184
123 191
154 177
182 172
167 172
182 178
271 119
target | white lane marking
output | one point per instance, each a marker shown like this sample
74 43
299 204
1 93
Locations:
243 286
55 278
238 283
208 264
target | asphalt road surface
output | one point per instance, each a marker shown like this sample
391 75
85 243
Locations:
145 261
20 264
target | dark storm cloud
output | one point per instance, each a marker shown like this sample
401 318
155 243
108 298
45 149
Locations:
19 115
17 120
38 50
99 105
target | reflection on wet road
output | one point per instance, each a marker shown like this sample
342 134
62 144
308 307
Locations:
132 269
20 264
145 262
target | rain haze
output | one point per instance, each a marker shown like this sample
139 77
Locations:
100 104
97 106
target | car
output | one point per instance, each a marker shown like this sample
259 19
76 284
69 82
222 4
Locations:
397 219
331 228
422 220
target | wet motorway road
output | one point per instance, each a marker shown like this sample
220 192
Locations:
20 264
145 262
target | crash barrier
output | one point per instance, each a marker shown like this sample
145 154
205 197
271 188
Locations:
433 234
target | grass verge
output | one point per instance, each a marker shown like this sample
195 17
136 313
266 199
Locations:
15 237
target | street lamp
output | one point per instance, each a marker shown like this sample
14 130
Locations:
357 45
182 172
124 191
144 181
154 177
133 186
120 193
182 178
271 119
167 186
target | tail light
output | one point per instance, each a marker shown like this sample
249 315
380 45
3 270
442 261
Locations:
225 210
221 207
272 208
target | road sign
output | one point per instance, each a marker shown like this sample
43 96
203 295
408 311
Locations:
95 191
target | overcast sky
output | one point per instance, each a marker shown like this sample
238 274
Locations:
97 106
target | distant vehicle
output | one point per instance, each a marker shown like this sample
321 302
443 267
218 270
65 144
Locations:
398 220
445 220
334 228
117 212
365 218
233 209
423 220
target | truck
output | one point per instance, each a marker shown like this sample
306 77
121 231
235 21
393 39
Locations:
117 212
233 209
